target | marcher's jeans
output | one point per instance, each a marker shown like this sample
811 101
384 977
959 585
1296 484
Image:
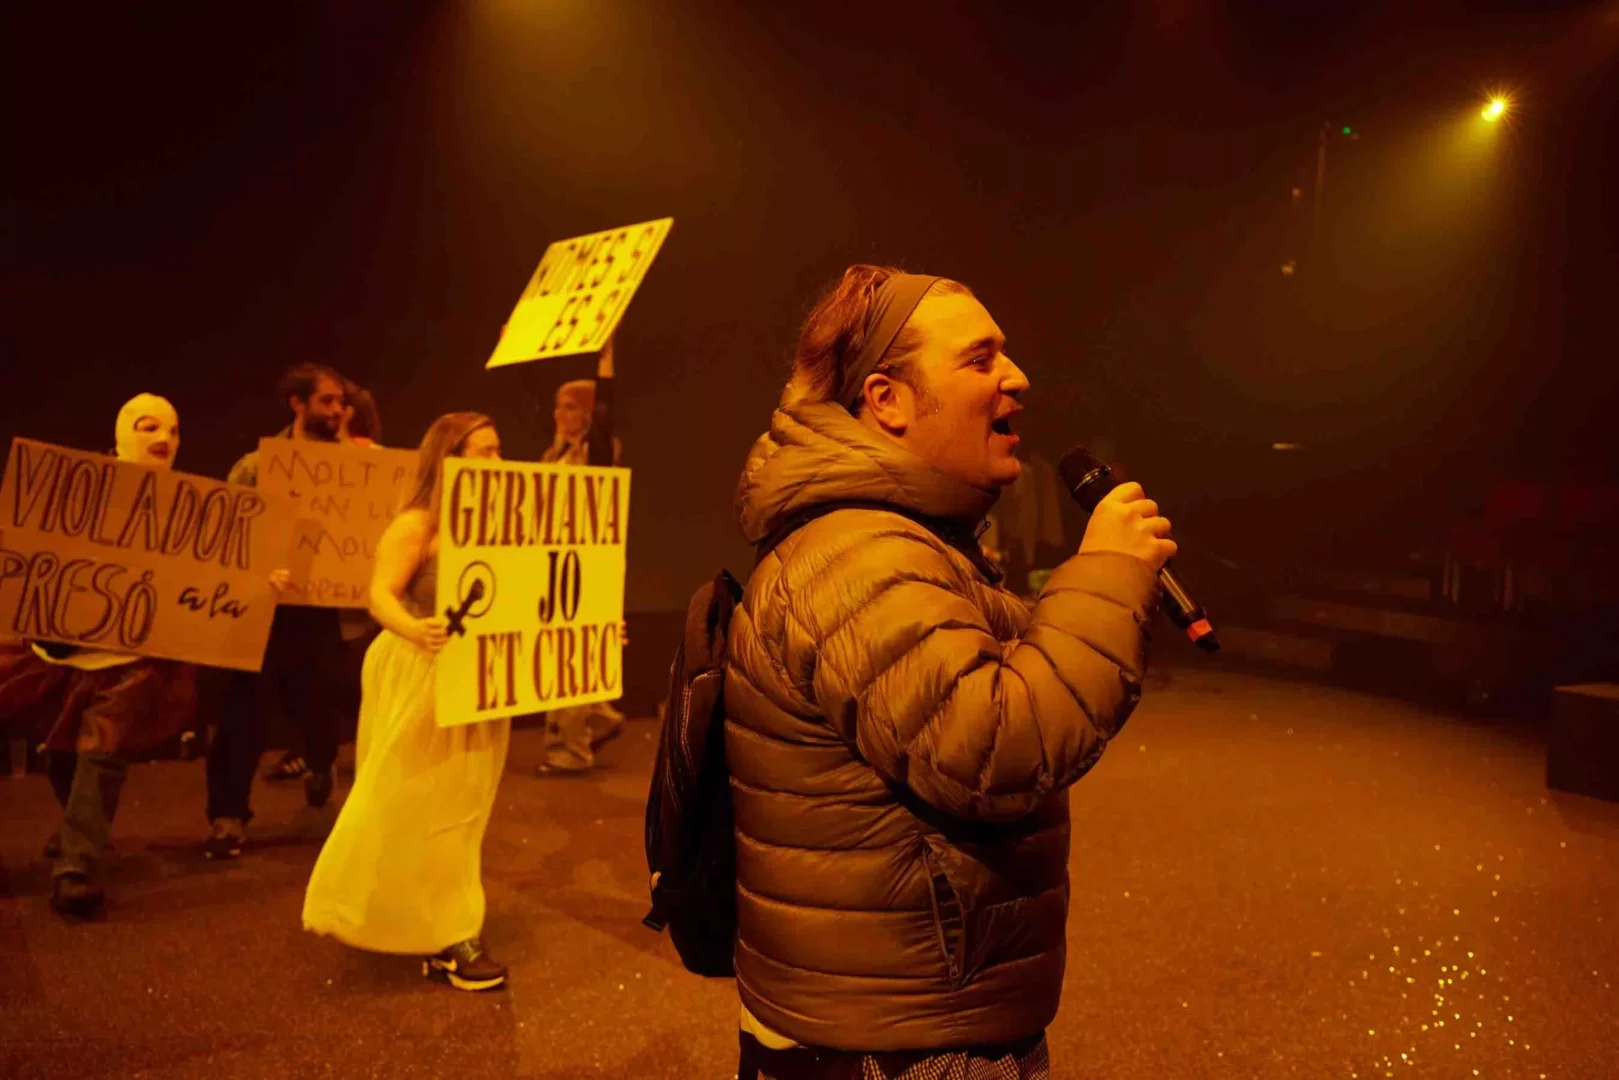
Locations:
302 677
87 786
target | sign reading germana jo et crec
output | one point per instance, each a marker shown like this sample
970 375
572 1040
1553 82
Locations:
531 577
111 555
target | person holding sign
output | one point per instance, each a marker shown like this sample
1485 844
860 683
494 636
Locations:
362 423
584 436
97 706
302 663
401 871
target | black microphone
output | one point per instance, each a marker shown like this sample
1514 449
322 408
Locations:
1088 480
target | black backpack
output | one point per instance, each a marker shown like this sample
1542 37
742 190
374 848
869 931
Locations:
690 849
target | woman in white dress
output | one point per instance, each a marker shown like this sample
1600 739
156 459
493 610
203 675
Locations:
401 871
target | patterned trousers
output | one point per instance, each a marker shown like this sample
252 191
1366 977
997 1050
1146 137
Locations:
1027 1059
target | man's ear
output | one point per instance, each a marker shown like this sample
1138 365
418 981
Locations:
888 403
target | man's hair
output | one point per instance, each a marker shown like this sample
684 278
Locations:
301 379
366 423
836 330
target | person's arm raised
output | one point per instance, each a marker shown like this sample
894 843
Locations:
599 447
403 546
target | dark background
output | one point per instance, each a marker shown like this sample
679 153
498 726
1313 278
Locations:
196 196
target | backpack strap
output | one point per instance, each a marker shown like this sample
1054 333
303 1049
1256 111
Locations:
956 536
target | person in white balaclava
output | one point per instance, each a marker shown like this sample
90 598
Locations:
95 706
148 431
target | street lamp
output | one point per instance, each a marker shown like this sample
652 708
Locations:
1495 110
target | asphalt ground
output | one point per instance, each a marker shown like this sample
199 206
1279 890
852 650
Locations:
1270 879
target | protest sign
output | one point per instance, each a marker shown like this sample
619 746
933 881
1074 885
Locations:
111 555
578 293
345 496
531 577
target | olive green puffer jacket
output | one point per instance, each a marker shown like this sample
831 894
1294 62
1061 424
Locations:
901 734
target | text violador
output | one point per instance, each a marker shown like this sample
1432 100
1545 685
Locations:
73 496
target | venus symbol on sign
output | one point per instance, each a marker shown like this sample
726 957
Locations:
471 588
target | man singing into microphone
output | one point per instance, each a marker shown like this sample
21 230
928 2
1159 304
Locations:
903 731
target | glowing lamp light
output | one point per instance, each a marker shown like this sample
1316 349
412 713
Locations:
1495 110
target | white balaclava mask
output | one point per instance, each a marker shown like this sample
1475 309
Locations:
148 431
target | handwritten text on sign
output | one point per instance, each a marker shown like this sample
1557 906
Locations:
345 497
110 555
531 574
578 293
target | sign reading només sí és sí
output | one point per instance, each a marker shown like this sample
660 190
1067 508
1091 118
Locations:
578 293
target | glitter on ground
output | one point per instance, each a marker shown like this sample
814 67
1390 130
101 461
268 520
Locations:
1247 919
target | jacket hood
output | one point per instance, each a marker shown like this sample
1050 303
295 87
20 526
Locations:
817 453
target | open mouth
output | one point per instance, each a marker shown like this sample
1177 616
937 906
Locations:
1003 426
159 451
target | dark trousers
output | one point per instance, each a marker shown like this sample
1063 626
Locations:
301 680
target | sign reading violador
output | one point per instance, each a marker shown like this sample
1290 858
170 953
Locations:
531 579
111 555
345 496
578 293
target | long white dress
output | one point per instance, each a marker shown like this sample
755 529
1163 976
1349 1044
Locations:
402 869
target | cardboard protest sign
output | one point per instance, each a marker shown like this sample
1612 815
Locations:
345 496
531 577
111 555
578 293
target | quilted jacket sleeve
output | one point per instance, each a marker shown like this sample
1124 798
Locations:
906 666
